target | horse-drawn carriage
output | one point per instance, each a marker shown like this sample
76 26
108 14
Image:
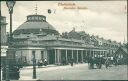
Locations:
97 62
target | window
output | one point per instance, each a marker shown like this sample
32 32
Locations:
44 19
29 18
32 18
36 18
40 18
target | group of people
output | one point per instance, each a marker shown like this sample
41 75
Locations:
42 62
93 62
98 62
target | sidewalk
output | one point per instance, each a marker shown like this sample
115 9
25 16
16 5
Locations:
77 72
52 65
26 73
31 67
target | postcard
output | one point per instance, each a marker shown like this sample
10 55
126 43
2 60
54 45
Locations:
64 40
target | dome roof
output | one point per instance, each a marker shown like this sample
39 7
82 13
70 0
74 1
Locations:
35 23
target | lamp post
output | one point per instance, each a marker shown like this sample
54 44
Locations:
10 5
34 65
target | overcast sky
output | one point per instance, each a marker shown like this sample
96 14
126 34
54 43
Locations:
107 19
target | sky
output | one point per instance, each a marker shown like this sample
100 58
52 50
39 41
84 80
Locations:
107 19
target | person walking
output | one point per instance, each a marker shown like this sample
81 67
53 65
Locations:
111 60
91 62
72 61
107 62
115 61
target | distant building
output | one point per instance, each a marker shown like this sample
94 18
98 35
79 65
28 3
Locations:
3 30
37 37
3 35
122 54
101 42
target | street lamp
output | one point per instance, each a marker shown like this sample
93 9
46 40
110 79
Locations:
10 5
34 65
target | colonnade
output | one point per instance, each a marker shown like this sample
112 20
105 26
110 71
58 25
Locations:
60 55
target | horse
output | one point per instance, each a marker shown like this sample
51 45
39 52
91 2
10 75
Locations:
98 61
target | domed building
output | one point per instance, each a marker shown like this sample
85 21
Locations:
36 37
27 36
36 25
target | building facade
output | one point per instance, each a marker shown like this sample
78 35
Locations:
122 54
3 35
37 37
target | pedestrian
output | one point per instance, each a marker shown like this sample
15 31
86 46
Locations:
41 62
4 73
111 60
107 62
91 62
115 61
38 64
72 61
45 62
101 59
63 61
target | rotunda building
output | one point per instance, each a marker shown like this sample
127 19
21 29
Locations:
36 25
30 38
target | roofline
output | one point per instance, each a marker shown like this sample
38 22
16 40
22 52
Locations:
36 15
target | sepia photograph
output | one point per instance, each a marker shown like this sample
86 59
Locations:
64 40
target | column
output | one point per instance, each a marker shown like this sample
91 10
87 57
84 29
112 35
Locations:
86 53
77 56
105 53
93 53
102 53
90 53
96 53
72 53
82 55
66 55
59 56
47 56
55 57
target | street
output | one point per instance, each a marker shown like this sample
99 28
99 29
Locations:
77 72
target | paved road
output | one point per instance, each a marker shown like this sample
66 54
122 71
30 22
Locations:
77 72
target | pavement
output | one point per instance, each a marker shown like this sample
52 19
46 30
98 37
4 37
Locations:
77 72
31 67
